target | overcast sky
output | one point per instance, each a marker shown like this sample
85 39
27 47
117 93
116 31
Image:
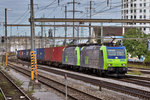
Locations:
20 13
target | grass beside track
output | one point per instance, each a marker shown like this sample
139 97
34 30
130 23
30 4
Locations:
138 65
134 72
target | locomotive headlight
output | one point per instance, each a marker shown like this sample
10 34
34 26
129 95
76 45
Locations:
123 64
109 64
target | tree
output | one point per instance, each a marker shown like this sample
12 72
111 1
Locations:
135 47
147 59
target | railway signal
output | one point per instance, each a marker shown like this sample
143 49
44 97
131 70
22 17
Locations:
2 39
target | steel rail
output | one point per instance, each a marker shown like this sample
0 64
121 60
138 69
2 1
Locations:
3 94
137 77
89 97
135 81
15 86
142 71
128 78
108 85
139 68
46 81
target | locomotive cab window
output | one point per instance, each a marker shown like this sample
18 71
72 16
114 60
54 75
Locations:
120 52
116 53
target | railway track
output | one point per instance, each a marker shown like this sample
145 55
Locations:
138 78
143 81
139 68
144 71
72 92
3 97
112 86
135 81
10 90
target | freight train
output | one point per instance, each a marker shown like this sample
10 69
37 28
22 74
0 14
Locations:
102 60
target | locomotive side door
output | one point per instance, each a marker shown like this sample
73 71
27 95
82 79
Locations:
101 61
75 56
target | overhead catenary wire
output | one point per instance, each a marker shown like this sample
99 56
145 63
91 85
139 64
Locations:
45 7
26 12
101 11
53 5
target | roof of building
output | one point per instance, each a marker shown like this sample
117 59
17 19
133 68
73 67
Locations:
110 31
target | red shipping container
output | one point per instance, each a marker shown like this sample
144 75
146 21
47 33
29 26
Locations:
57 54
21 53
48 54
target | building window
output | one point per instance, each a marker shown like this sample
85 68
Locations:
131 11
134 16
144 29
140 4
144 10
134 5
140 16
124 5
131 5
140 10
144 16
126 11
131 16
144 4
134 10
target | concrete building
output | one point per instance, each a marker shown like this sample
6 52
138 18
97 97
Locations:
21 43
136 9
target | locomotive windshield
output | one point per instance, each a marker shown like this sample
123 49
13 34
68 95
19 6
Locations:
112 53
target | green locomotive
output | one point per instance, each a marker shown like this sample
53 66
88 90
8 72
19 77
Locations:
98 59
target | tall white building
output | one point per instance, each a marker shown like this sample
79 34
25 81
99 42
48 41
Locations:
136 9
